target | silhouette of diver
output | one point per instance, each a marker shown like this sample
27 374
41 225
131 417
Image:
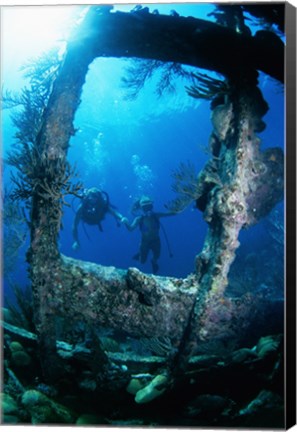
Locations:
149 225
92 210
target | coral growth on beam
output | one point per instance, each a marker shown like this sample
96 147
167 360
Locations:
251 184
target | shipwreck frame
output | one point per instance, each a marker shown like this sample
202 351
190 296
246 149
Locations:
71 289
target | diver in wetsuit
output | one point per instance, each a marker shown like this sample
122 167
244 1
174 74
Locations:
92 210
149 225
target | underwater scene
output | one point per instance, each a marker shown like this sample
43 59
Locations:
143 215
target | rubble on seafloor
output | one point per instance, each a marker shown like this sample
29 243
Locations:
136 392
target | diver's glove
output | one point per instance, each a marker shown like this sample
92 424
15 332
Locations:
124 220
75 246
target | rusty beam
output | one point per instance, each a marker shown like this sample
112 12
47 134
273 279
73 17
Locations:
185 40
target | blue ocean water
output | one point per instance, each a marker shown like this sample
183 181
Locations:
129 148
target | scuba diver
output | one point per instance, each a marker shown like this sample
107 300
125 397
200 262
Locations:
92 210
149 225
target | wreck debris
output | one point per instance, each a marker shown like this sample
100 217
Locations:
128 300
245 195
210 385
221 118
220 48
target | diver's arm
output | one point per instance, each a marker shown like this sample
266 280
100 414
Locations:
118 216
77 219
133 225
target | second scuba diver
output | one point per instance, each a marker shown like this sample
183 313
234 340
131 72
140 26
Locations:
92 210
149 225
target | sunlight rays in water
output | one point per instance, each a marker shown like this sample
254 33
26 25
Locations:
28 31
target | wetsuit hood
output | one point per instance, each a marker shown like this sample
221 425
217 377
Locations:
145 201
